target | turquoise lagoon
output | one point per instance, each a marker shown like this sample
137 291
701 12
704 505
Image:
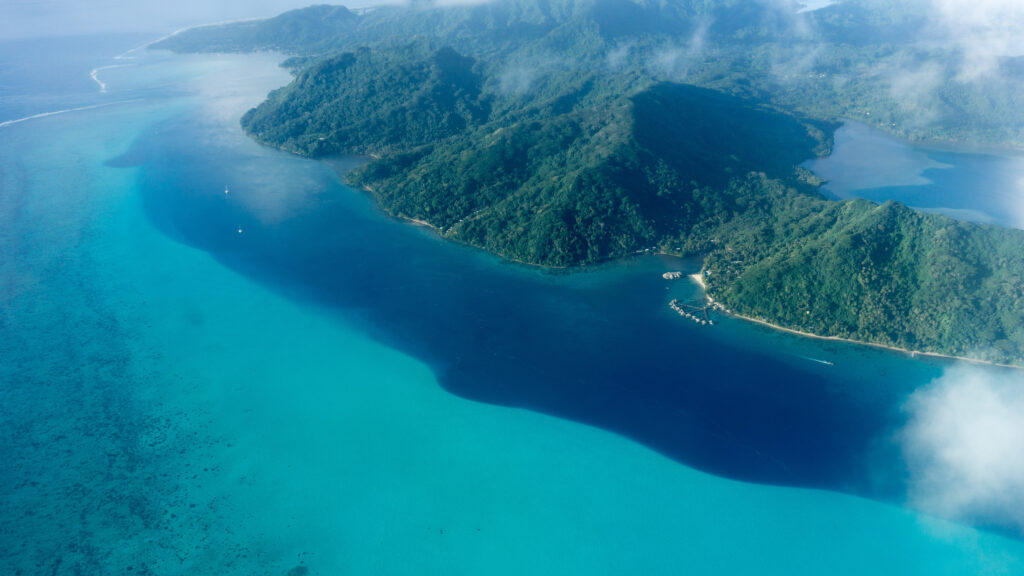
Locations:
172 404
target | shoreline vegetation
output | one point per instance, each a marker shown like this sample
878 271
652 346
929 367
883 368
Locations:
472 131
699 279
440 234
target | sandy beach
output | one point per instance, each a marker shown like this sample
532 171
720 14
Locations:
699 279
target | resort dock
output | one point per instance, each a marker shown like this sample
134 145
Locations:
698 314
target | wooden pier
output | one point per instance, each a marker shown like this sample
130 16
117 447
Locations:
698 314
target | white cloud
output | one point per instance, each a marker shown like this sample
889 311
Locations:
619 55
1016 200
517 79
812 5
915 89
964 445
787 65
673 62
984 30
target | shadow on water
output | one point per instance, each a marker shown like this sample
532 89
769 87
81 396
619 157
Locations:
599 347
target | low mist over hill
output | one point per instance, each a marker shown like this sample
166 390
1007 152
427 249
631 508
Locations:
570 132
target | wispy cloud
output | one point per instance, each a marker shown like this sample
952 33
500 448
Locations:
964 445
983 30
674 61
915 91
1017 200
812 5
787 65
786 17
800 53
619 55
527 73
517 79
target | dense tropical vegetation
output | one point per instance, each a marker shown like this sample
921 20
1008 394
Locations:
566 133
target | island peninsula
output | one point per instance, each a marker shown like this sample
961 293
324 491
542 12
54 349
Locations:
569 133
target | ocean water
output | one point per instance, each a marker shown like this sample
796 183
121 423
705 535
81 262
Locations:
281 380
44 75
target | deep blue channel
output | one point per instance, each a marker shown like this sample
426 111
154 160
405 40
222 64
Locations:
600 348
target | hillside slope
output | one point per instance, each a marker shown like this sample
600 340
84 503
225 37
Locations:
566 133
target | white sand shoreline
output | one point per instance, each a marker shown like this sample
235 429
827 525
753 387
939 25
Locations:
699 279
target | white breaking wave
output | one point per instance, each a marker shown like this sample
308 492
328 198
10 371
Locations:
65 111
186 28
126 54
812 5
95 75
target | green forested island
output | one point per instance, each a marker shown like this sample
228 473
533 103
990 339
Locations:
565 133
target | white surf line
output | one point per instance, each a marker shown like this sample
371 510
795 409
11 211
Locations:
813 5
125 55
56 112
95 78
95 75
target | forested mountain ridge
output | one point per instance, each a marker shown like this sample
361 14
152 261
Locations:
570 132
877 61
568 185
311 29
874 273
373 102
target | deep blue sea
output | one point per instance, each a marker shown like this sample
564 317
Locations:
216 358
